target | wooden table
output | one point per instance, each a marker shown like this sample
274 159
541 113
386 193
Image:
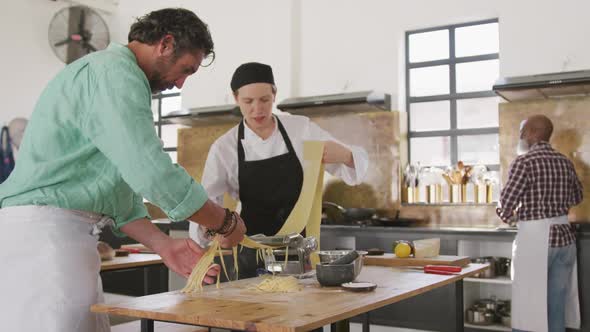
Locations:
134 261
233 306
131 261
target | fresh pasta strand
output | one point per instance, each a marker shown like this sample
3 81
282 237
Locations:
222 262
276 284
236 267
195 280
286 257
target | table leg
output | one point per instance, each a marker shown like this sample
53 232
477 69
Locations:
163 278
340 326
146 274
459 319
366 322
147 325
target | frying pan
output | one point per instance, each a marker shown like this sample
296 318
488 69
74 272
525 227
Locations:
339 214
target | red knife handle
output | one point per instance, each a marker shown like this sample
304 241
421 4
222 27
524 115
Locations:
442 268
446 273
132 250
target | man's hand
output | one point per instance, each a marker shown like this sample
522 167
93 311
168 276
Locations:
181 256
232 239
335 153
212 216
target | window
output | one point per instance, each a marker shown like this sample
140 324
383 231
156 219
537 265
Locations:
162 104
452 110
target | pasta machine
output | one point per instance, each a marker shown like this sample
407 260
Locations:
290 253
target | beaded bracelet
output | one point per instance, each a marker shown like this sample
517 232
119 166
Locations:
228 225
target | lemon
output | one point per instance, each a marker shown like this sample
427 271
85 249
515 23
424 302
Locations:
402 250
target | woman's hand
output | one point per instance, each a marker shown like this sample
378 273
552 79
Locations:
335 153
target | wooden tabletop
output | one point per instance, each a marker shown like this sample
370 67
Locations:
393 261
133 260
233 306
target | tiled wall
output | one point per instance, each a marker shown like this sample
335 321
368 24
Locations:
571 136
378 132
384 136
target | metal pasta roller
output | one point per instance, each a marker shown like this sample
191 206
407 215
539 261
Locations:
291 261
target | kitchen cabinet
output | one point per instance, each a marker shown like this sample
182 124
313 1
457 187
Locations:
498 287
475 242
426 312
438 304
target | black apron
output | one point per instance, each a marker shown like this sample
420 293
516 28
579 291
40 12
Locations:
269 189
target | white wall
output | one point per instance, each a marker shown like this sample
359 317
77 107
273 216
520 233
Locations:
315 47
352 45
544 36
348 46
254 30
27 62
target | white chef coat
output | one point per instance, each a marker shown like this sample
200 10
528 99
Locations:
221 168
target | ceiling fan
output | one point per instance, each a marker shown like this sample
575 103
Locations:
76 31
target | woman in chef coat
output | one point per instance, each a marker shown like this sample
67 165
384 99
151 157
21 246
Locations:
258 162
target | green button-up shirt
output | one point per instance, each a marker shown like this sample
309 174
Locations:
91 145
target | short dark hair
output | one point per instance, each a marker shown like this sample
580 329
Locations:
190 33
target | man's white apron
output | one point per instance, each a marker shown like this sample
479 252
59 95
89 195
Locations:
50 270
529 278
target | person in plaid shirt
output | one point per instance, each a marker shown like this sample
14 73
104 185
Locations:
542 186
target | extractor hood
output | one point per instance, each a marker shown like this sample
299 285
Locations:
363 101
544 86
200 115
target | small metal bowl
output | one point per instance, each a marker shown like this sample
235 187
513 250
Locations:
328 256
334 275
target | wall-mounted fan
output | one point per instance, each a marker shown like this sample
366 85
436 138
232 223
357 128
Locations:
76 31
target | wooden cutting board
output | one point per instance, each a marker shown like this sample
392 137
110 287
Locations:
392 260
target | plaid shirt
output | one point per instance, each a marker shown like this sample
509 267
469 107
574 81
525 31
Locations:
542 184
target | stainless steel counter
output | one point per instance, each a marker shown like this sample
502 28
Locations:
437 230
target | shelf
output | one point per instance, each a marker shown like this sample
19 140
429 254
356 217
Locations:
450 204
494 327
498 280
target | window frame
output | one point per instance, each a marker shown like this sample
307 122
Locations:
159 122
453 133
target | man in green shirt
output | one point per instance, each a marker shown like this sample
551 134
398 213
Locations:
90 154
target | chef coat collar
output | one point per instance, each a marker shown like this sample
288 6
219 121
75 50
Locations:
250 135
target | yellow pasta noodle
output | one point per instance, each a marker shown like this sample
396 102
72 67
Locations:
286 257
277 284
306 214
236 267
195 280
222 262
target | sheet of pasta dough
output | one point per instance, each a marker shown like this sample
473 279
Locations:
307 212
